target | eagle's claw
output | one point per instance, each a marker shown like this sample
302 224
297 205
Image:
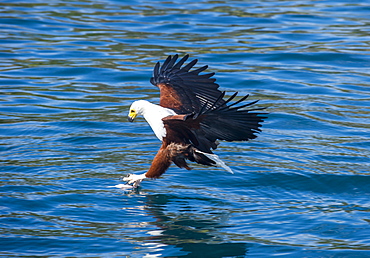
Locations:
134 180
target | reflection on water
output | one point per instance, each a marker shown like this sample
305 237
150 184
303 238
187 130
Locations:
68 73
187 233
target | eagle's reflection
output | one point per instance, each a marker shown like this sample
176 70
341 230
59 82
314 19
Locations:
188 233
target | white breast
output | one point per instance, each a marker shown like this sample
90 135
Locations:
153 114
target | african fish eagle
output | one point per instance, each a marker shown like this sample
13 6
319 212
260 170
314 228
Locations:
191 116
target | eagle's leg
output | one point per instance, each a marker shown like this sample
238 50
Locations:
134 180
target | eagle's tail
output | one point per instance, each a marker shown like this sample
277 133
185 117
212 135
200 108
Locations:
216 161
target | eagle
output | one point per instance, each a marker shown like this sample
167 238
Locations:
192 115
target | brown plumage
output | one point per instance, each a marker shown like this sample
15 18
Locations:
192 116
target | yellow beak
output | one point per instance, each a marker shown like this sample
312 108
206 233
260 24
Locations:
131 116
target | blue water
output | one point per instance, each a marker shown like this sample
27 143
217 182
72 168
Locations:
69 71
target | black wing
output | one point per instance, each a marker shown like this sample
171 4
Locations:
183 90
219 122
231 122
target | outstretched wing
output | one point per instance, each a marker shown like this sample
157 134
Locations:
183 90
229 122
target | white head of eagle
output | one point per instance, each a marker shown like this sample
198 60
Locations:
153 114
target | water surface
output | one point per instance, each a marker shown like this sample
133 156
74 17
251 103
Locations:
69 71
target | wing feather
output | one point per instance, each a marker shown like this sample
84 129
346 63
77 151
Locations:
181 62
231 124
190 65
183 90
